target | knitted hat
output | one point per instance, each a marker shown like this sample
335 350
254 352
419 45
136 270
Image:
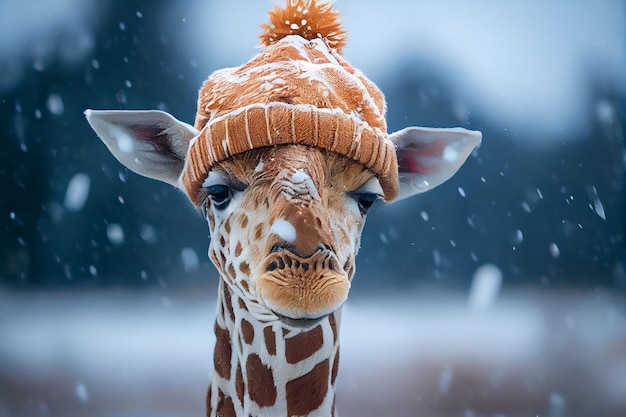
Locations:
297 90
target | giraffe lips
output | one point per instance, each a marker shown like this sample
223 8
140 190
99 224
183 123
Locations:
301 323
297 288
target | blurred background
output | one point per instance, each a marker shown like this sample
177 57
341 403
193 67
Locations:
499 293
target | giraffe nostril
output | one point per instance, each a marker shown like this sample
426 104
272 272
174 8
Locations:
272 266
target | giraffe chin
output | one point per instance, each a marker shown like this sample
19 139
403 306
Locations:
301 296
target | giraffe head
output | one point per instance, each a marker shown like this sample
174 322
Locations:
286 224
287 154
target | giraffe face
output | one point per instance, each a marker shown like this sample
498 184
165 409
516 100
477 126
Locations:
285 227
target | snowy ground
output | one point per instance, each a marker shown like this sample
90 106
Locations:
551 354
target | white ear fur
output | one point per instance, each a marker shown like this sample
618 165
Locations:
151 143
427 157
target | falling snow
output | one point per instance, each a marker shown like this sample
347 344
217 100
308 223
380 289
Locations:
124 140
554 250
115 234
148 233
81 392
539 194
54 103
77 192
445 380
485 287
605 111
190 259
436 257
451 152
596 204
284 230
557 405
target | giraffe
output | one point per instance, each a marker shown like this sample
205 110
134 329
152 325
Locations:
286 155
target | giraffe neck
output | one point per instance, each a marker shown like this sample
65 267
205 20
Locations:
269 368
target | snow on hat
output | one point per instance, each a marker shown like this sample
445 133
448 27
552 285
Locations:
297 90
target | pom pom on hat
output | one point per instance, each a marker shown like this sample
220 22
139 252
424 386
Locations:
308 19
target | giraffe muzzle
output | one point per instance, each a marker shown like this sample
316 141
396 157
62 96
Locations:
303 288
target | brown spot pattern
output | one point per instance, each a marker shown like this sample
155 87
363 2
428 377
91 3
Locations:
335 370
333 325
223 352
228 302
238 249
270 340
244 267
213 257
244 221
247 331
306 393
258 231
231 271
226 408
303 345
239 384
261 388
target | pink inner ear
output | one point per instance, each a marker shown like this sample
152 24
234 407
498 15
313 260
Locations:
411 159
145 132
153 135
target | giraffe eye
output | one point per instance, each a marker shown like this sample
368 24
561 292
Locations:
365 201
366 195
219 195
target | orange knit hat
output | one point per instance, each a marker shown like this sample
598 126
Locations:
297 90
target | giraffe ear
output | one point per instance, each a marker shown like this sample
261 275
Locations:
427 157
151 143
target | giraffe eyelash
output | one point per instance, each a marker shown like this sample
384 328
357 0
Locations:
219 195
